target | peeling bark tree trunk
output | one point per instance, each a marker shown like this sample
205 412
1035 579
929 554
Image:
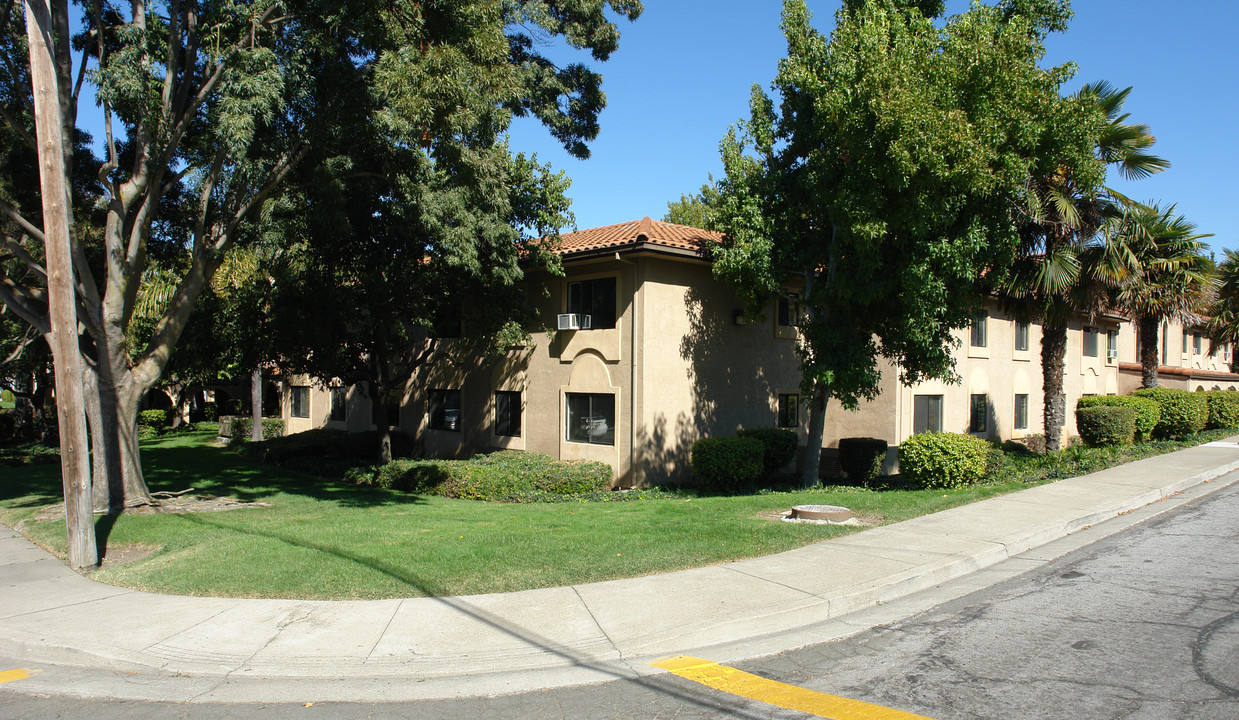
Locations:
256 405
62 303
1147 329
1053 352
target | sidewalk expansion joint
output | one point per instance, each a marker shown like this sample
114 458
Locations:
618 652
802 591
386 627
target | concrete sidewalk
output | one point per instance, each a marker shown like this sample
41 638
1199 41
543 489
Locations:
115 642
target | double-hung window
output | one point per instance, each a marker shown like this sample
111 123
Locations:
299 401
445 410
978 414
926 414
508 413
591 418
1090 341
595 298
979 330
789 411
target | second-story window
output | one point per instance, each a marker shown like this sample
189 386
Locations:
1090 341
1196 346
979 335
1021 336
595 298
1112 345
789 310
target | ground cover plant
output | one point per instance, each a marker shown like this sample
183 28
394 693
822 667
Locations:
320 538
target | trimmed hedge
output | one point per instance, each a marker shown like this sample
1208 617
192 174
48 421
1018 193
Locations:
778 445
504 476
1106 424
1223 408
943 460
271 428
325 443
1183 413
862 458
1148 412
727 464
157 419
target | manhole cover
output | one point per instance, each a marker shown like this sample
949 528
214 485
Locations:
833 513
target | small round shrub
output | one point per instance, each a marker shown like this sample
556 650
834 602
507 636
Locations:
727 464
1148 412
778 445
943 460
1106 424
1182 412
271 428
155 419
210 412
1223 409
862 458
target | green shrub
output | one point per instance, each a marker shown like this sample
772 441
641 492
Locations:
727 464
862 458
210 412
154 419
1148 412
505 476
1223 409
1106 424
1183 413
778 445
271 428
943 460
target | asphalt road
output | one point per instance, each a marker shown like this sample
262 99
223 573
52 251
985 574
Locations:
1141 625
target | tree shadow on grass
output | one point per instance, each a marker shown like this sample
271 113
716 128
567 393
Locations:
663 683
194 463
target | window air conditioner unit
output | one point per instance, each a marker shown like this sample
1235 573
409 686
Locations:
574 321
1114 355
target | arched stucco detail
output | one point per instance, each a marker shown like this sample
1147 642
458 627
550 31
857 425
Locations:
1090 382
978 382
1020 385
589 374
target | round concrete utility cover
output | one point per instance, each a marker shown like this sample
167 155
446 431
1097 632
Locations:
833 513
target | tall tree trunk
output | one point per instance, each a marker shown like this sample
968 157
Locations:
256 405
379 404
1147 329
817 432
62 302
1053 353
107 492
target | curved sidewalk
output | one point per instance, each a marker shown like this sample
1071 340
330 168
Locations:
125 643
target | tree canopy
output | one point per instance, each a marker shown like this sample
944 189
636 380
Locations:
213 109
885 177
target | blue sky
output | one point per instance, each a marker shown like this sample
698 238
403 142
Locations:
683 71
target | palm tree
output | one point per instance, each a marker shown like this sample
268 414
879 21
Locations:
1063 213
1153 260
1223 325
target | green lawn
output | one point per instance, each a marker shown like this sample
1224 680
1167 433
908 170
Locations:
325 540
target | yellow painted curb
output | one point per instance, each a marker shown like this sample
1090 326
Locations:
792 697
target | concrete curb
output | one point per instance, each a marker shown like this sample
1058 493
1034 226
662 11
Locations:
140 645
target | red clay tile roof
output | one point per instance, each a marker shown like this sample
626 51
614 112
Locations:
637 233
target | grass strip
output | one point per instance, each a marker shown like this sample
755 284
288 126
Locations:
321 539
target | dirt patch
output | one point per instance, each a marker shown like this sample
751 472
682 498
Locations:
863 520
117 555
165 502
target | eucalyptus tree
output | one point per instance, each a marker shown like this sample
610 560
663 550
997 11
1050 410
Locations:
1061 215
222 102
1155 264
883 181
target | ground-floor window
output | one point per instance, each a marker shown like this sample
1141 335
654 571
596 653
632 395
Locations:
299 401
926 414
1021 412
445 410
508 413
978 414
591 418
789 410
337 404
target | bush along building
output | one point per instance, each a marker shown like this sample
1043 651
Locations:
646 353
